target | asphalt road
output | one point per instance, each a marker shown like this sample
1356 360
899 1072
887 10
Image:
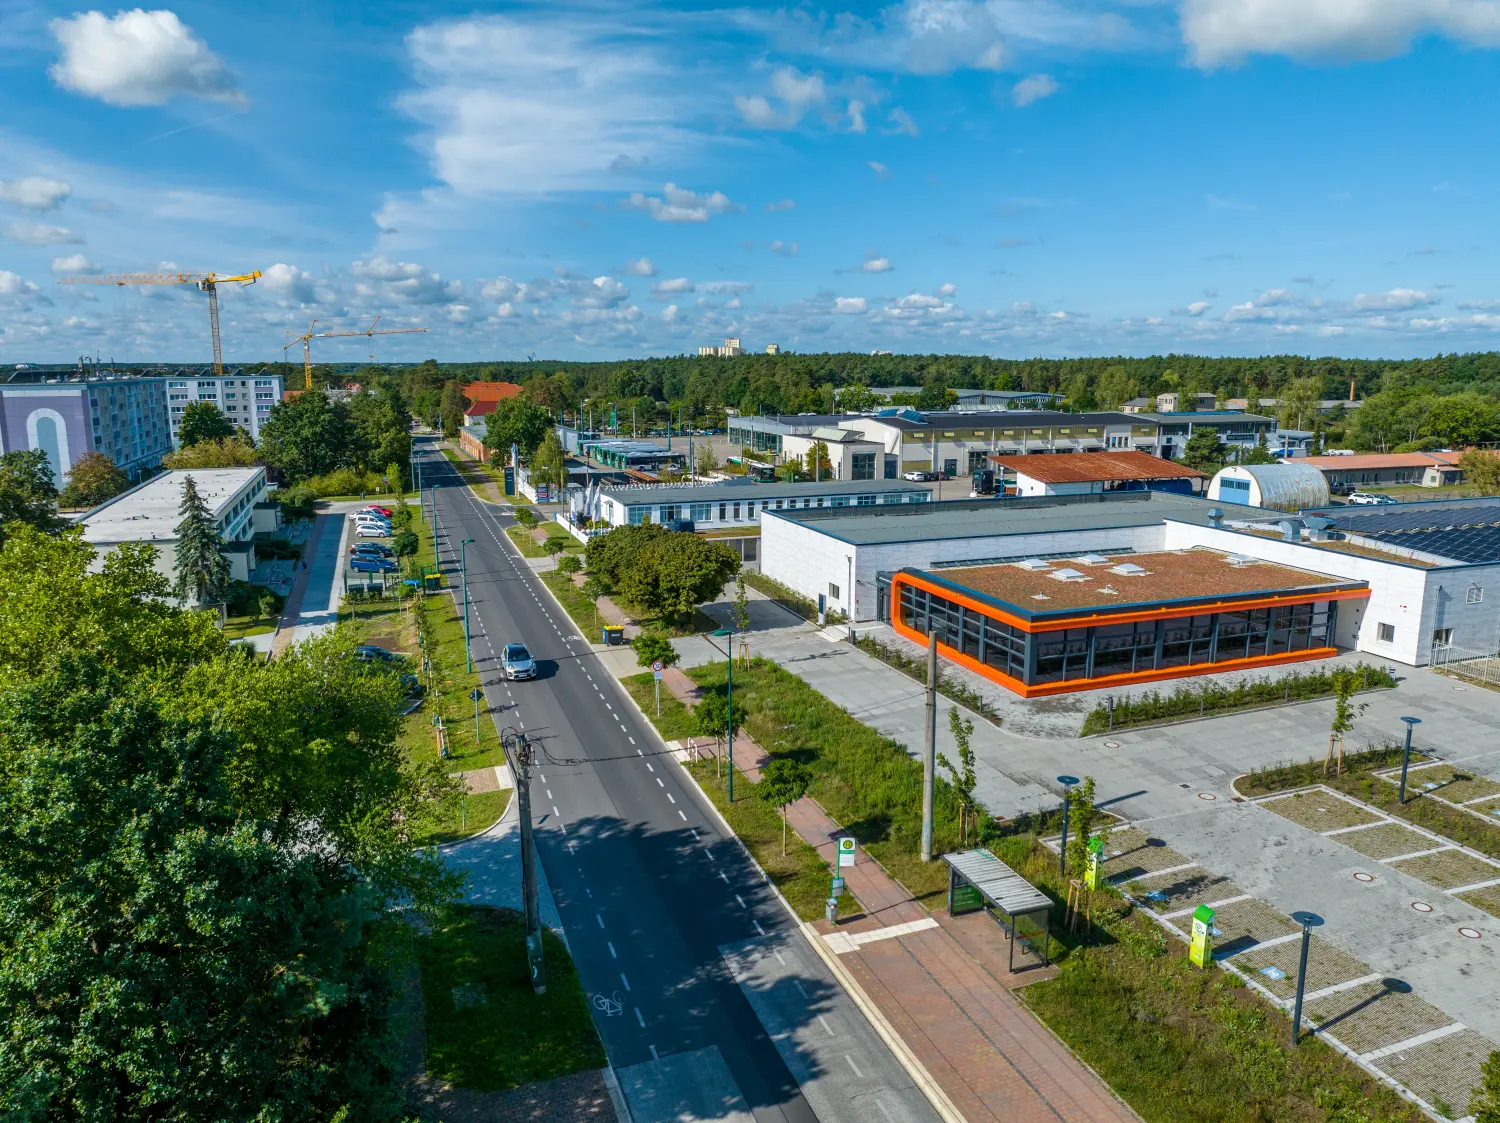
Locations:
652 894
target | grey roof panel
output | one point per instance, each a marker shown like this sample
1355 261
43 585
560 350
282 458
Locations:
1006 889
738 492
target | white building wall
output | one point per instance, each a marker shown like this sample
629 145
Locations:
807 560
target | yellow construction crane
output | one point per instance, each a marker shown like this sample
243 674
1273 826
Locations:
309 335
206 282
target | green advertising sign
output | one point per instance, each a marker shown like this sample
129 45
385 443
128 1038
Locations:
1201 950
966 898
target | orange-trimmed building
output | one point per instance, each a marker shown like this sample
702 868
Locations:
1041 627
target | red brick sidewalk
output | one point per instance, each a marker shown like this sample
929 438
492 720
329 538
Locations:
292 608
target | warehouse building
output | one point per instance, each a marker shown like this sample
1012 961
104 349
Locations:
736 503
1056 569
237 498
1280 487
1081 473
1388 469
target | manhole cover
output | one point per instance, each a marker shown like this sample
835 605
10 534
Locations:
1469 933
1207 795
1111 744
1421 906
1365 877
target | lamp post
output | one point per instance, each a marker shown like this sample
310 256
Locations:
1062 853
433 526
728 633
1406 753
1309 921
463 569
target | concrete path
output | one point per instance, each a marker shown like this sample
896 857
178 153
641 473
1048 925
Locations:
312 591
493 862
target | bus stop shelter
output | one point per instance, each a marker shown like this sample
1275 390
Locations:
977 880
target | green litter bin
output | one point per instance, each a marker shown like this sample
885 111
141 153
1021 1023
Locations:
612 635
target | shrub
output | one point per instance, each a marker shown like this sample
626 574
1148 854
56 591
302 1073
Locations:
345 481
651 646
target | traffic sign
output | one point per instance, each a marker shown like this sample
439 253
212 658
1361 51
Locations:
838 886
846 850
656 668
475 694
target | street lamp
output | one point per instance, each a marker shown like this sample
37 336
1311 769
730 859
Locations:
728 635
433 526
1062 854
463 570
1406 753
1309 921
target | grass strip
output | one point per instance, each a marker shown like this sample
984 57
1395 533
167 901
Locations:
916 668
800 874
486 1029
468 815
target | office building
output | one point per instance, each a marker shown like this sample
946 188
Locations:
1236 430
245 400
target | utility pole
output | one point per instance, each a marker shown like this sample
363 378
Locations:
929 745
519 755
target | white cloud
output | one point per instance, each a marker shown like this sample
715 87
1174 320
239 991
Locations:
545 104
785 249
40 234
947 289
673 286
402 282
880 170
853 305
899 122
1272 297
601 292
784 205
73 263
856 116
1197 308
918 300
640 267
671 314
290 283
874 263
35 192
138 58
1396 300
680 205
926 37
1224 32
13 284
1479 305
1033 88
797 93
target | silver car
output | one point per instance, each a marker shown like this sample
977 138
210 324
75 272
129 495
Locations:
517 662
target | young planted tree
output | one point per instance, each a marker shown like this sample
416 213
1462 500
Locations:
202 568
554 545
711 719
569 564
740 614
962 778
267 606
783 782
650 647
1345 683
707 462
1084 823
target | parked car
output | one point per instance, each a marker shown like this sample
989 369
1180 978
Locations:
366 516
372 565
381 523
373 653
920 476
370 530
375 549
1364 498
375 510
517 662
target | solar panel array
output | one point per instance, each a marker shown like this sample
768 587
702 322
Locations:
1466 533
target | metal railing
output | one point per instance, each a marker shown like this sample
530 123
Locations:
1480 666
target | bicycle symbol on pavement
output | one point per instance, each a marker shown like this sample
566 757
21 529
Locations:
610 1006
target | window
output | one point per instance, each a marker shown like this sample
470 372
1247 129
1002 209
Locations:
840 501
724 511
892 497
1475 595
862 466
917 497
865 501
1386 633
1443 636
671 512
639 515
833 591
702 512
736 512
778 503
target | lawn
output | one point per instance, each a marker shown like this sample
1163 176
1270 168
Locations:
238 627
486 1029
801 875
529 548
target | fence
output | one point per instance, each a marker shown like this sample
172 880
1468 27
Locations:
1479 666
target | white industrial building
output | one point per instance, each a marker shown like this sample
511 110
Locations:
739 504
1431 569
237 498
1278 487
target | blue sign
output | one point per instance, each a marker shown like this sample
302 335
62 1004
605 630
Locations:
510 480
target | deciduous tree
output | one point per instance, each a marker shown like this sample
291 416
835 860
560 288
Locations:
93 479
783 781
516 421
28 493
233 453
652 646
202 421
309 436
963 777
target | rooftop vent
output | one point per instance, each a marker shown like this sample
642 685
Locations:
1092 559
1069 575
1216 517
1040 596
1128 569
1033 564
1108 591
1239 561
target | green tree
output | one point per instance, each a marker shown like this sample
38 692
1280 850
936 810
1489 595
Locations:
856 398
651 646
309 436
202 421
1260 453
963 777
1084 823
554 545
549 464
93 479
1299 402
205 964
1115 388
267 606
451 409
569 564
518 421
1481 471
708 463
232 453
935 395
405 544
28 493
1204 451
783 781
675 571
818 466
202 569
1484 1103
395 477
1462 420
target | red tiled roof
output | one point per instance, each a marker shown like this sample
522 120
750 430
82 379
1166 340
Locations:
490 391
481 407
1375 460
1089 467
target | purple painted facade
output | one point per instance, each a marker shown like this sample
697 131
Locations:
126 419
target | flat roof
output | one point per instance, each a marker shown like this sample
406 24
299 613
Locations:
909 418
1206 415
1466 531
788 422
992 518
734 491
1087 467
1376 460
150 510
1208 574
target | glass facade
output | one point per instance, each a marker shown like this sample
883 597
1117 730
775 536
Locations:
1126 648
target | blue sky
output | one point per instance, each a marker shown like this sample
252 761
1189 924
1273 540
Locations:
1016 178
